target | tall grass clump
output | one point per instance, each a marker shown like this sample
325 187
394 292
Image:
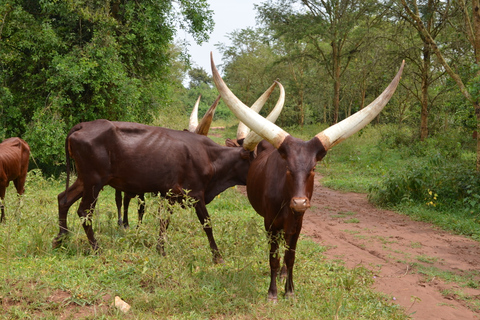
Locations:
72 282
438 183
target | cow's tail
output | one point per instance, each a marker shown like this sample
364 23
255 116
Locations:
67 162
67 157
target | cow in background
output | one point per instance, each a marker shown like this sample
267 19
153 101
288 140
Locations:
14 156
136 158
194 127
280 179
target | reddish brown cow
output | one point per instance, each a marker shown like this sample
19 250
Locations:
136 158
280 180
14 155
193 126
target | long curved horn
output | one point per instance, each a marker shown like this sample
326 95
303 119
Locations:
335 134
193 124
268 130
206 121
244 130
253 138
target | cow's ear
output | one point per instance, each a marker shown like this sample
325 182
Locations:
231 143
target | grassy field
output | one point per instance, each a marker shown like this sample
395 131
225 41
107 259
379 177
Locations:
39 282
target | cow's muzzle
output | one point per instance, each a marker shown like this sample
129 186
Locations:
299 204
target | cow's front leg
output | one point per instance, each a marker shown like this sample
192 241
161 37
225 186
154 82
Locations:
204 218
274 265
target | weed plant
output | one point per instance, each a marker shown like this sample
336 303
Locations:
71 282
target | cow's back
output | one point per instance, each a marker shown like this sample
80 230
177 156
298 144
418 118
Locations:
137 158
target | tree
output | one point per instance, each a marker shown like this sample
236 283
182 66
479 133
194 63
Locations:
333 30
471 30
199 76
62 62
435 16
247 65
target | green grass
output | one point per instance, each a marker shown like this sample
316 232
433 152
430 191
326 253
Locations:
72 283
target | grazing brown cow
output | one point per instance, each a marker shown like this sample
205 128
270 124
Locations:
136 158
193 126
14 155
280 179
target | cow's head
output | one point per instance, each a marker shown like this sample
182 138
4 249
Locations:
302 156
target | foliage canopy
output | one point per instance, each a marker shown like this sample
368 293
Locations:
63 62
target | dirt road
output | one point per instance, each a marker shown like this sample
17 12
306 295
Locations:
397 249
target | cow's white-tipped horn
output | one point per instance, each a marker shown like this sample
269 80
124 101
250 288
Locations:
193 123
243 130
253 138
206 121
338 132
268 130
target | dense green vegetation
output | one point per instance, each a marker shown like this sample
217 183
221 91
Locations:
63 62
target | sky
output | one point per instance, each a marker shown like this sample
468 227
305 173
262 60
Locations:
229 15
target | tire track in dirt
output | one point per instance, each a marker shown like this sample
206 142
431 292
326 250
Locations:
393 246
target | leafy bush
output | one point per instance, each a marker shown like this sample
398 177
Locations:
434 181
440 171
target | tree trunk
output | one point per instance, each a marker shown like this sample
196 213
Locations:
325 113
301 108
363 93
336 82
476 49
477 113
425 83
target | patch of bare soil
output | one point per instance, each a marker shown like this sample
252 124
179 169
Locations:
395 248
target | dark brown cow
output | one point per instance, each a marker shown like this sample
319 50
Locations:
280 180
14 155
136 159
193 126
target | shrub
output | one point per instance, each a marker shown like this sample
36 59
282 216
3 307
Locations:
433 181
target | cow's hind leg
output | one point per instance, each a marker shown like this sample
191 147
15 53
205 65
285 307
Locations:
118 202
126 203
204 218
141 209
65 201
3 188
85 212
2 208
